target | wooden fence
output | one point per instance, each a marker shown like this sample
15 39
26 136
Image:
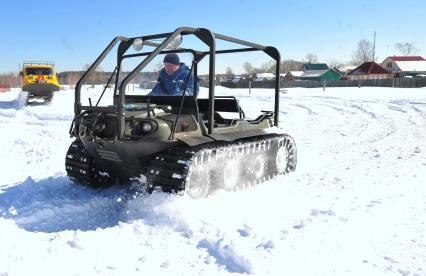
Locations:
4 87
397 82
9 80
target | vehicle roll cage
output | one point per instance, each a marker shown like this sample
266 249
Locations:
38 63
205 35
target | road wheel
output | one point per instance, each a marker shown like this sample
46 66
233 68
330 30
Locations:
284 156
198 182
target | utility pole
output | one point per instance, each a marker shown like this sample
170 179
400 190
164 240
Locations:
374 45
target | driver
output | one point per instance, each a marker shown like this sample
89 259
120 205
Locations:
172 78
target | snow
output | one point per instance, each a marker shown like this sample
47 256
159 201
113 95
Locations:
346 68
412 66
296 73
356 204
265 75
314 73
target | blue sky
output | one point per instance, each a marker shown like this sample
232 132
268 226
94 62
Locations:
73 33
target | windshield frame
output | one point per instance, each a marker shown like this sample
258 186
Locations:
38 71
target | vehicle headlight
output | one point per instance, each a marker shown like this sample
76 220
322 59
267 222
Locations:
146 127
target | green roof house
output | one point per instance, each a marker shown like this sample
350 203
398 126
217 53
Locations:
314 66
320 75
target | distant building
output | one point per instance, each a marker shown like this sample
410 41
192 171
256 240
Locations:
403 66
238 78
345 69
314 66
369 70
293 75
320 75
264 77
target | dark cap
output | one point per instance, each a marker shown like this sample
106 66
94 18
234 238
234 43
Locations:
172 58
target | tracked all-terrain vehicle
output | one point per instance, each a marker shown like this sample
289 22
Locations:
178 143
39 80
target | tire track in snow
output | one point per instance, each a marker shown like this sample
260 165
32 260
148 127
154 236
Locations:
309 110
353 109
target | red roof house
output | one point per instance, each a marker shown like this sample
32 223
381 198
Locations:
369 70
406 58
406 65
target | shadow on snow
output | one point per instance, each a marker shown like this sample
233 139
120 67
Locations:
56 204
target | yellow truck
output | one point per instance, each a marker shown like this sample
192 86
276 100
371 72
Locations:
39 80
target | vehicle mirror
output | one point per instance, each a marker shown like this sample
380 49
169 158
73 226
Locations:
137 44
21 73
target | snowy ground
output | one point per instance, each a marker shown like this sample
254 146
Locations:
355 206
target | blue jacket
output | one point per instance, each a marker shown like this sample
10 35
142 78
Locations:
175 83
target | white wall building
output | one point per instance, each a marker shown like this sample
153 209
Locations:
406 65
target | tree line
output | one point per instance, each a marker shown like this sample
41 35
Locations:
101 77
364 52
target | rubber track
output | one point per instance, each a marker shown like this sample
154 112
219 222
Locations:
81 168
78 163
169 170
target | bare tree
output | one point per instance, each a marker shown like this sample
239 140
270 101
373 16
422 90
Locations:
95 76
311 58
335 64
406 49
290 65
363 53
248 67
90 77
228 73
72 78
267 67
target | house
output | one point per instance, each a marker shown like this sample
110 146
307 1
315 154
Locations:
238 78
320 75
314 66
345 69
293 75
369 70
402 66
264 77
